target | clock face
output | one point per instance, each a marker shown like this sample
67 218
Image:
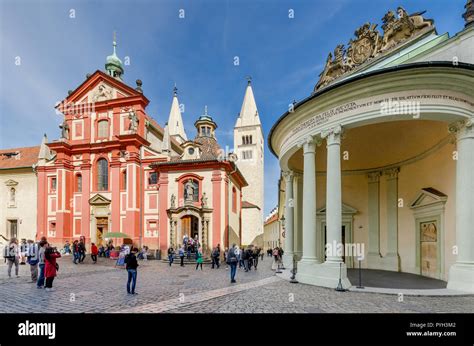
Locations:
191 151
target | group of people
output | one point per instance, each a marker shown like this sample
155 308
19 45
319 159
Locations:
246 258
40 256
43 266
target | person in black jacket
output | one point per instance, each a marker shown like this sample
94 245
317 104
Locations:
131 266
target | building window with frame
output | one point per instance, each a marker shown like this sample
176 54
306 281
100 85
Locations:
102 175
103 129
12 195
78 183
124 179
153 178
247 155
53 184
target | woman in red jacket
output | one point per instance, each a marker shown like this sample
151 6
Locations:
51 267
94 252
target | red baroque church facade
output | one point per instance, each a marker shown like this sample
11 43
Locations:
114 169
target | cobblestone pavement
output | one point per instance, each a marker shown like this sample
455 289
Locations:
101 288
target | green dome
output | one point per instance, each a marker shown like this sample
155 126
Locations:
113 64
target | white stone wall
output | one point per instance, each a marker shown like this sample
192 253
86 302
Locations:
25 208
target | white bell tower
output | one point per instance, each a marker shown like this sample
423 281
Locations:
249 147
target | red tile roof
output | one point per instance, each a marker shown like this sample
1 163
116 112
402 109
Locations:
246 204
19 157
272 219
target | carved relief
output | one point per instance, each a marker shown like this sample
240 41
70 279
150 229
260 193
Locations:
102 93
368 43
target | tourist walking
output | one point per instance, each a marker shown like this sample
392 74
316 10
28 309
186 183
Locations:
232 262
199 259
94 252
181 255
51 267
216 253
226 252
245 259
75 251
131 266
12 256
171 255
41 249
82 250
32 259
23 251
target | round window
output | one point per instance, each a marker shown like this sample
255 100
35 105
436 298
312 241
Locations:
191 151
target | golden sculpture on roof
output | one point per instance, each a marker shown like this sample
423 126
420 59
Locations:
368 43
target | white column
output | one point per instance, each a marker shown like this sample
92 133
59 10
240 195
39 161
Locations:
461 274
309 205
333 197
289 220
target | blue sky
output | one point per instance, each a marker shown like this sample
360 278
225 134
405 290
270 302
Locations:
283 55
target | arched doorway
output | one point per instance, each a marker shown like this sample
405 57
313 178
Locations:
190 226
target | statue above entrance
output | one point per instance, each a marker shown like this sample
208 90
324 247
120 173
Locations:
190 191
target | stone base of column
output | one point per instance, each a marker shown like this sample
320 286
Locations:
322 274
288 260
461 277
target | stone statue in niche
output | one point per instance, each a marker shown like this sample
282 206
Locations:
133 125
64 130
189 191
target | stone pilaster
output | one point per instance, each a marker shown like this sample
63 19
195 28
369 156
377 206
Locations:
298 215
289 220
374 257
392 260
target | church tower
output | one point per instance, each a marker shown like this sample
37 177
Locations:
175 121
248 145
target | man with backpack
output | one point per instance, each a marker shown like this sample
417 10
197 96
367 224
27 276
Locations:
12 256
32 259
131 266
232 262
216 253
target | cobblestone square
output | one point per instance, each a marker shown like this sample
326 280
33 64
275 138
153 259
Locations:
100 288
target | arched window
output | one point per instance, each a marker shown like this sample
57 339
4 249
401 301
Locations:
102 175
234 199
250 139
12 195
78 183
103 129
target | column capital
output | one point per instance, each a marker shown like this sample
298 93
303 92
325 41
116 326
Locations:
374 177
462 128
309 144
333 135
392 173
288 175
